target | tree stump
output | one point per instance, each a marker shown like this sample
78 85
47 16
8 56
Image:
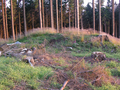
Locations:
100 56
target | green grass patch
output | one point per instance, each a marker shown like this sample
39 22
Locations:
13 72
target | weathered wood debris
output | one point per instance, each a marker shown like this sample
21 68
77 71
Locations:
23 54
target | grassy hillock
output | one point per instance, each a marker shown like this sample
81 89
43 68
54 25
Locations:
67 61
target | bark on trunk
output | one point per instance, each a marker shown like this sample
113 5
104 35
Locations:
6 21
3 20
25 26
77 20
32 20
43 19
100 16
109 27
69 16
116 29
81 23
46 18
40 14
51 11
93 16
119 18
57 15
105 28
113 19
61 18
1 32
19 24
13 31
75 12
16 31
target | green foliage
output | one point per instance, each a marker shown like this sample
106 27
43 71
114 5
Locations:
12 71
108 87
115 72
111 64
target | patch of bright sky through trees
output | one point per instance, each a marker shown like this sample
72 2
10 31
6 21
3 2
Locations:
105 2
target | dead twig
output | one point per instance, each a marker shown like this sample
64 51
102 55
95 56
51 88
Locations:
96 79
65 83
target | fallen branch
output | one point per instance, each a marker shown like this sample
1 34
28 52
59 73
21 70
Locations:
65 83
96 79
86 71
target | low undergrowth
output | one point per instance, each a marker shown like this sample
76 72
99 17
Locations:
14 73
80 73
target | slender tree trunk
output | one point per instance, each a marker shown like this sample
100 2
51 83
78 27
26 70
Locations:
105 28
109 27
12 17
61 18
75 13
32 20
25 26
46 18
116 29
19 24
81 23
93 16
43 19
69 16
72 20
51 11
40 14
3 20
57 15
119 18
6 20
16 31
1 31
100 16
113 18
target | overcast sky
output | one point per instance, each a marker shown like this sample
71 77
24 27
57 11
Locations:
105 2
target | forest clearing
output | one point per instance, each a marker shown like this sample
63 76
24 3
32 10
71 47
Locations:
59 45
59 62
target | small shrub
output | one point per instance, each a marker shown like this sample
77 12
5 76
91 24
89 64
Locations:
107 87
115 72
111 64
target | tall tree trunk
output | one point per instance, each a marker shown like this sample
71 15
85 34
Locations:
3 20
113 18
100 16
25 26
93 16
61 18
116 29
16 30
6 20
119 18
69 16
81 23
57 15
43 19
40 14
77 3
46 18
75 12
72 20
1 33
51 11
19 24
32 20
105 28
12 17
109 27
